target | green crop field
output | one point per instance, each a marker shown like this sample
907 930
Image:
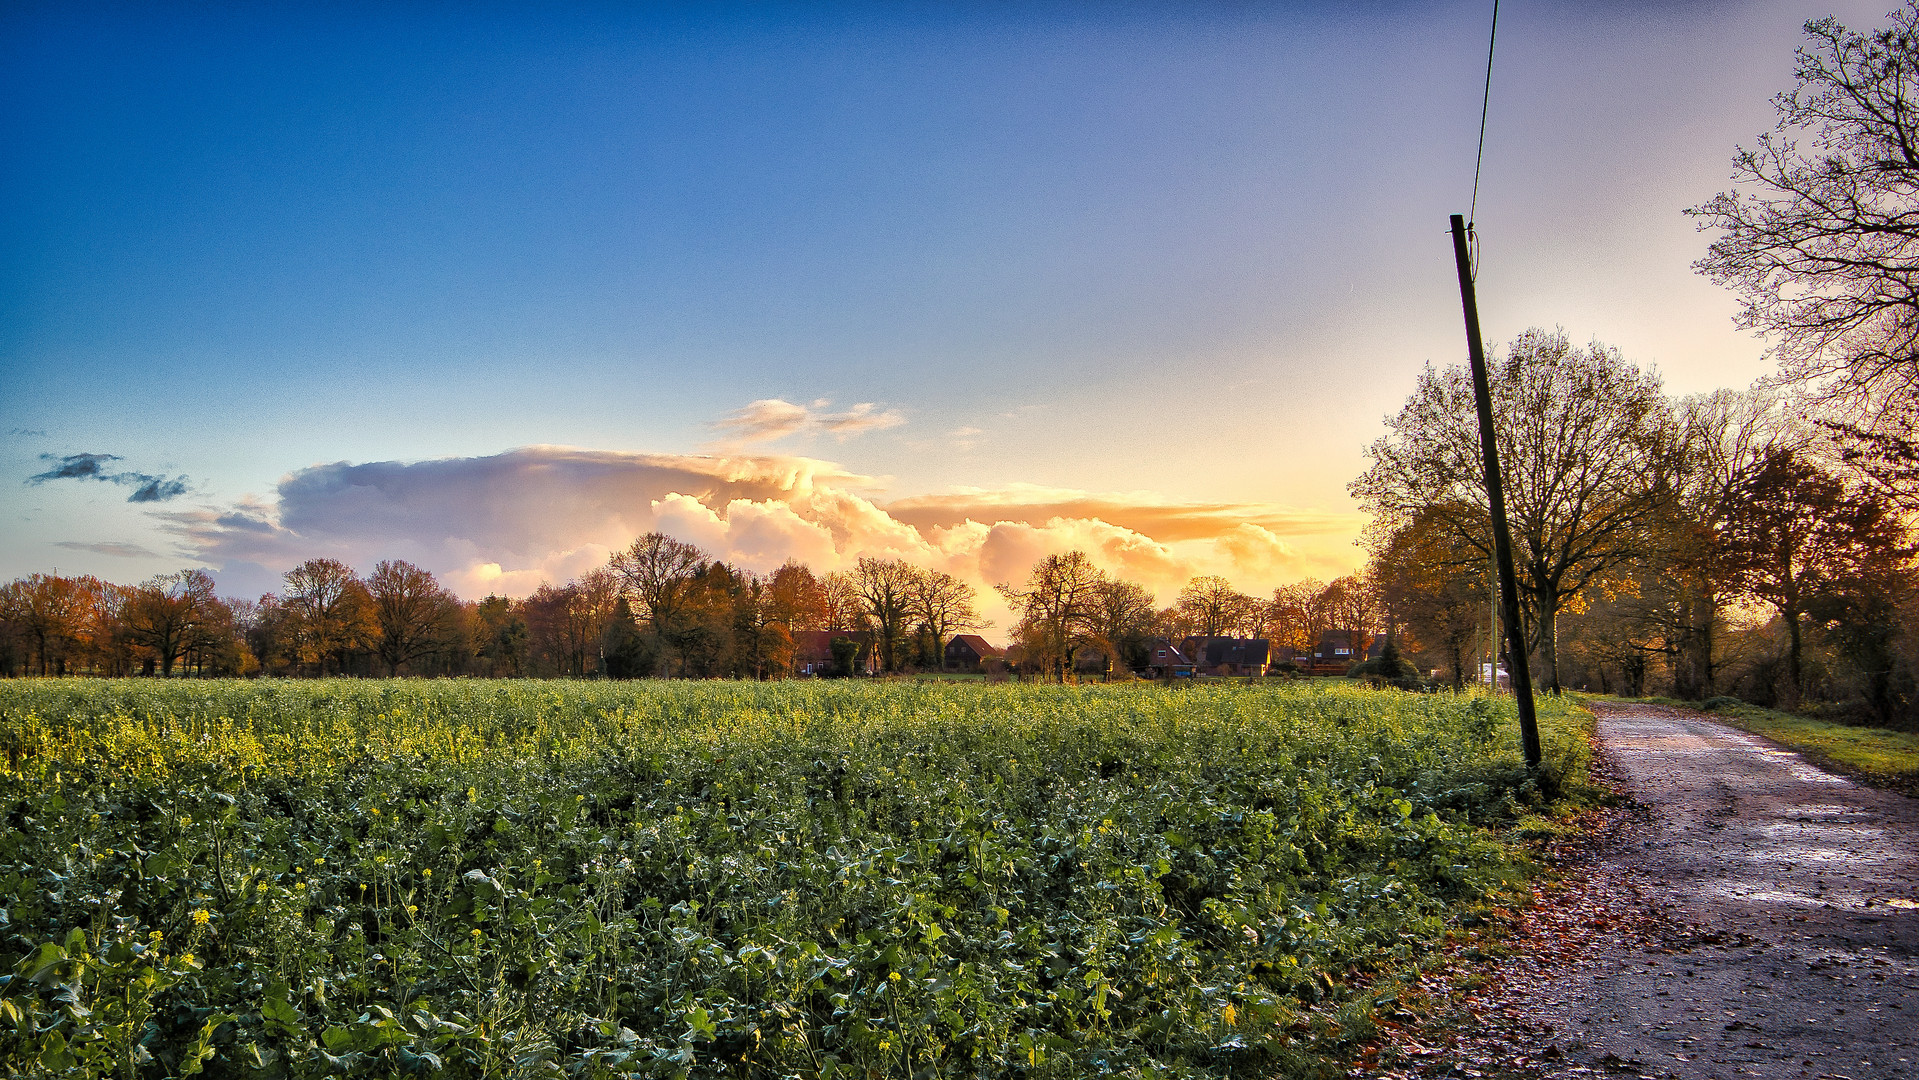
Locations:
732 879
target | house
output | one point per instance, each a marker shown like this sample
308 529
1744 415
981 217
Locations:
967 652
1228 655
1336 651
1165 661
813 651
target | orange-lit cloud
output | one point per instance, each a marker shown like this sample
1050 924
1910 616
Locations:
507 522
771 419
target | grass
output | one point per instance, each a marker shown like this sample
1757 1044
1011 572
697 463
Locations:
1876 756
714 879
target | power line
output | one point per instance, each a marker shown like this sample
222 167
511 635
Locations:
1485 102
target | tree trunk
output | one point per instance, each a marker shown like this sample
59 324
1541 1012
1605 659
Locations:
1793 675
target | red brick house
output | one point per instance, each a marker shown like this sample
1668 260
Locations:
813 652
1165 661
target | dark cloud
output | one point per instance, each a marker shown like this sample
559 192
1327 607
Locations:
146 486
75 467
155 488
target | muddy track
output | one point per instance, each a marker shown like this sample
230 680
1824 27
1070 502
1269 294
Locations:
1752 916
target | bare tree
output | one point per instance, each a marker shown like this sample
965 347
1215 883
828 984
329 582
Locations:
1822 243
1212 607
944 605
1057 608
1583 436
887 588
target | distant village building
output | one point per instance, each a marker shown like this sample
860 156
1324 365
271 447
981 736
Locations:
1165 661
1336 651
813 652
1228 655
969 652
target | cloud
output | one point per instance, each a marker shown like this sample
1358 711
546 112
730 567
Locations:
510 521
771 419
110 547
146 486
1143 512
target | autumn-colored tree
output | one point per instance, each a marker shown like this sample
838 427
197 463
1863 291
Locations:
413 614
1798 536
1584 438
797 599
1436 586
54 614
1297 615
329 613
173 613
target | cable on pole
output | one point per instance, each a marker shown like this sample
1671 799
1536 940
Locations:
1485 103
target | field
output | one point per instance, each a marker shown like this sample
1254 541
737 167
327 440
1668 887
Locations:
733 879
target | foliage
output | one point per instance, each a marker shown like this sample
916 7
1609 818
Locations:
679 879
1583 435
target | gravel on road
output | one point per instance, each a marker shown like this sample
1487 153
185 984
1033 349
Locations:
1754 917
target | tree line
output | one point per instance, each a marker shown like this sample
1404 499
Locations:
660 607
1722 543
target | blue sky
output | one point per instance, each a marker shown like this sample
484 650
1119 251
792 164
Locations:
1145 254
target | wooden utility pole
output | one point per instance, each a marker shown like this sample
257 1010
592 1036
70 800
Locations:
1496 494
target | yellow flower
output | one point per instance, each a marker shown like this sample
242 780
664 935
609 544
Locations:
200 917
428 871
374 810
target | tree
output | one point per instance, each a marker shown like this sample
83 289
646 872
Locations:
944 606
1122 622
657 574
1212 607
171 614
1822 244
887 588
412 612
52 611
1057 609
1583 437
796 599
1351 604
329 613
501 634
1297 615
1436 585
1799 537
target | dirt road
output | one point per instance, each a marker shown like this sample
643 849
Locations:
1787 902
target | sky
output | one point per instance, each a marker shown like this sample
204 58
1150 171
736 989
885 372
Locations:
495 288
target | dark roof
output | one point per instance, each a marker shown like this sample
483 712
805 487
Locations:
980 646
1216 651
